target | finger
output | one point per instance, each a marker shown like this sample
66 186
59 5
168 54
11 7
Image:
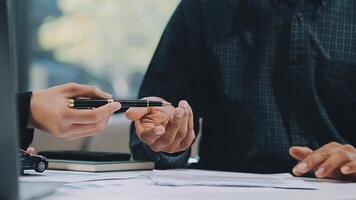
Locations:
149 132
171 130
31 151
81 129
90 116
349 168
333 164
139 128
76 90
134 114
300 153
314 160
100 127
77 129
183 130
150 136
187 141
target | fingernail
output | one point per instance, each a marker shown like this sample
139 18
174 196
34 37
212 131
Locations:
179 113
117 105
320 172
301 167
345 170
183 104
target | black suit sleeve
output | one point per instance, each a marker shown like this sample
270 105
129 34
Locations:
172 75
23 107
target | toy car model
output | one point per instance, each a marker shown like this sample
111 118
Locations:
37 163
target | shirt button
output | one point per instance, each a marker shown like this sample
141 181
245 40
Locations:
300 17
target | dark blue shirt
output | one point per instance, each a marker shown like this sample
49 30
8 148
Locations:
262 75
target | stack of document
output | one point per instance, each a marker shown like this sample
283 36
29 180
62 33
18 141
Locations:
214 178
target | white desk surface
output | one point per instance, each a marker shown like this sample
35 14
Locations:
138 185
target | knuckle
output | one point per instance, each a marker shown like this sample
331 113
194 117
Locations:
71 85
310 162
342 154
93 88
348 147
333 144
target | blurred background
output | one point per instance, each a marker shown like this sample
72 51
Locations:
107 43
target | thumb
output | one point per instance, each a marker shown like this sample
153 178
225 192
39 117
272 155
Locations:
300 153
134 114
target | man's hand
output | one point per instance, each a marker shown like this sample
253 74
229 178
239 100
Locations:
49 111
333 160
165 129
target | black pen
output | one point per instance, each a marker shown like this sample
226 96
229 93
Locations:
82 103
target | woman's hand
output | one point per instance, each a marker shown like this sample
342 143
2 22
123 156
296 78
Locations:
49 111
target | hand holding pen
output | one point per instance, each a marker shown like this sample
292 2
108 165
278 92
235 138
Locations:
165 129
49 111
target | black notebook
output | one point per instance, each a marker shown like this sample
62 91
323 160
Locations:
86 156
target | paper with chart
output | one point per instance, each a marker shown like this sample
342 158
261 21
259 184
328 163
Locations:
214 178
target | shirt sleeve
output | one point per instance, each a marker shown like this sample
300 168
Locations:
171 75
23 107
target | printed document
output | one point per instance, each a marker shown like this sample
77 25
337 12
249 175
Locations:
187 177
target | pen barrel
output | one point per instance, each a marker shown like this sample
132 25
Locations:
141 103
95 103
89 103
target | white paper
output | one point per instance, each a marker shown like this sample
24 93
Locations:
215 178
76 177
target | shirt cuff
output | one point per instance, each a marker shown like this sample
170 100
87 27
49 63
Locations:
168 161
23 105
